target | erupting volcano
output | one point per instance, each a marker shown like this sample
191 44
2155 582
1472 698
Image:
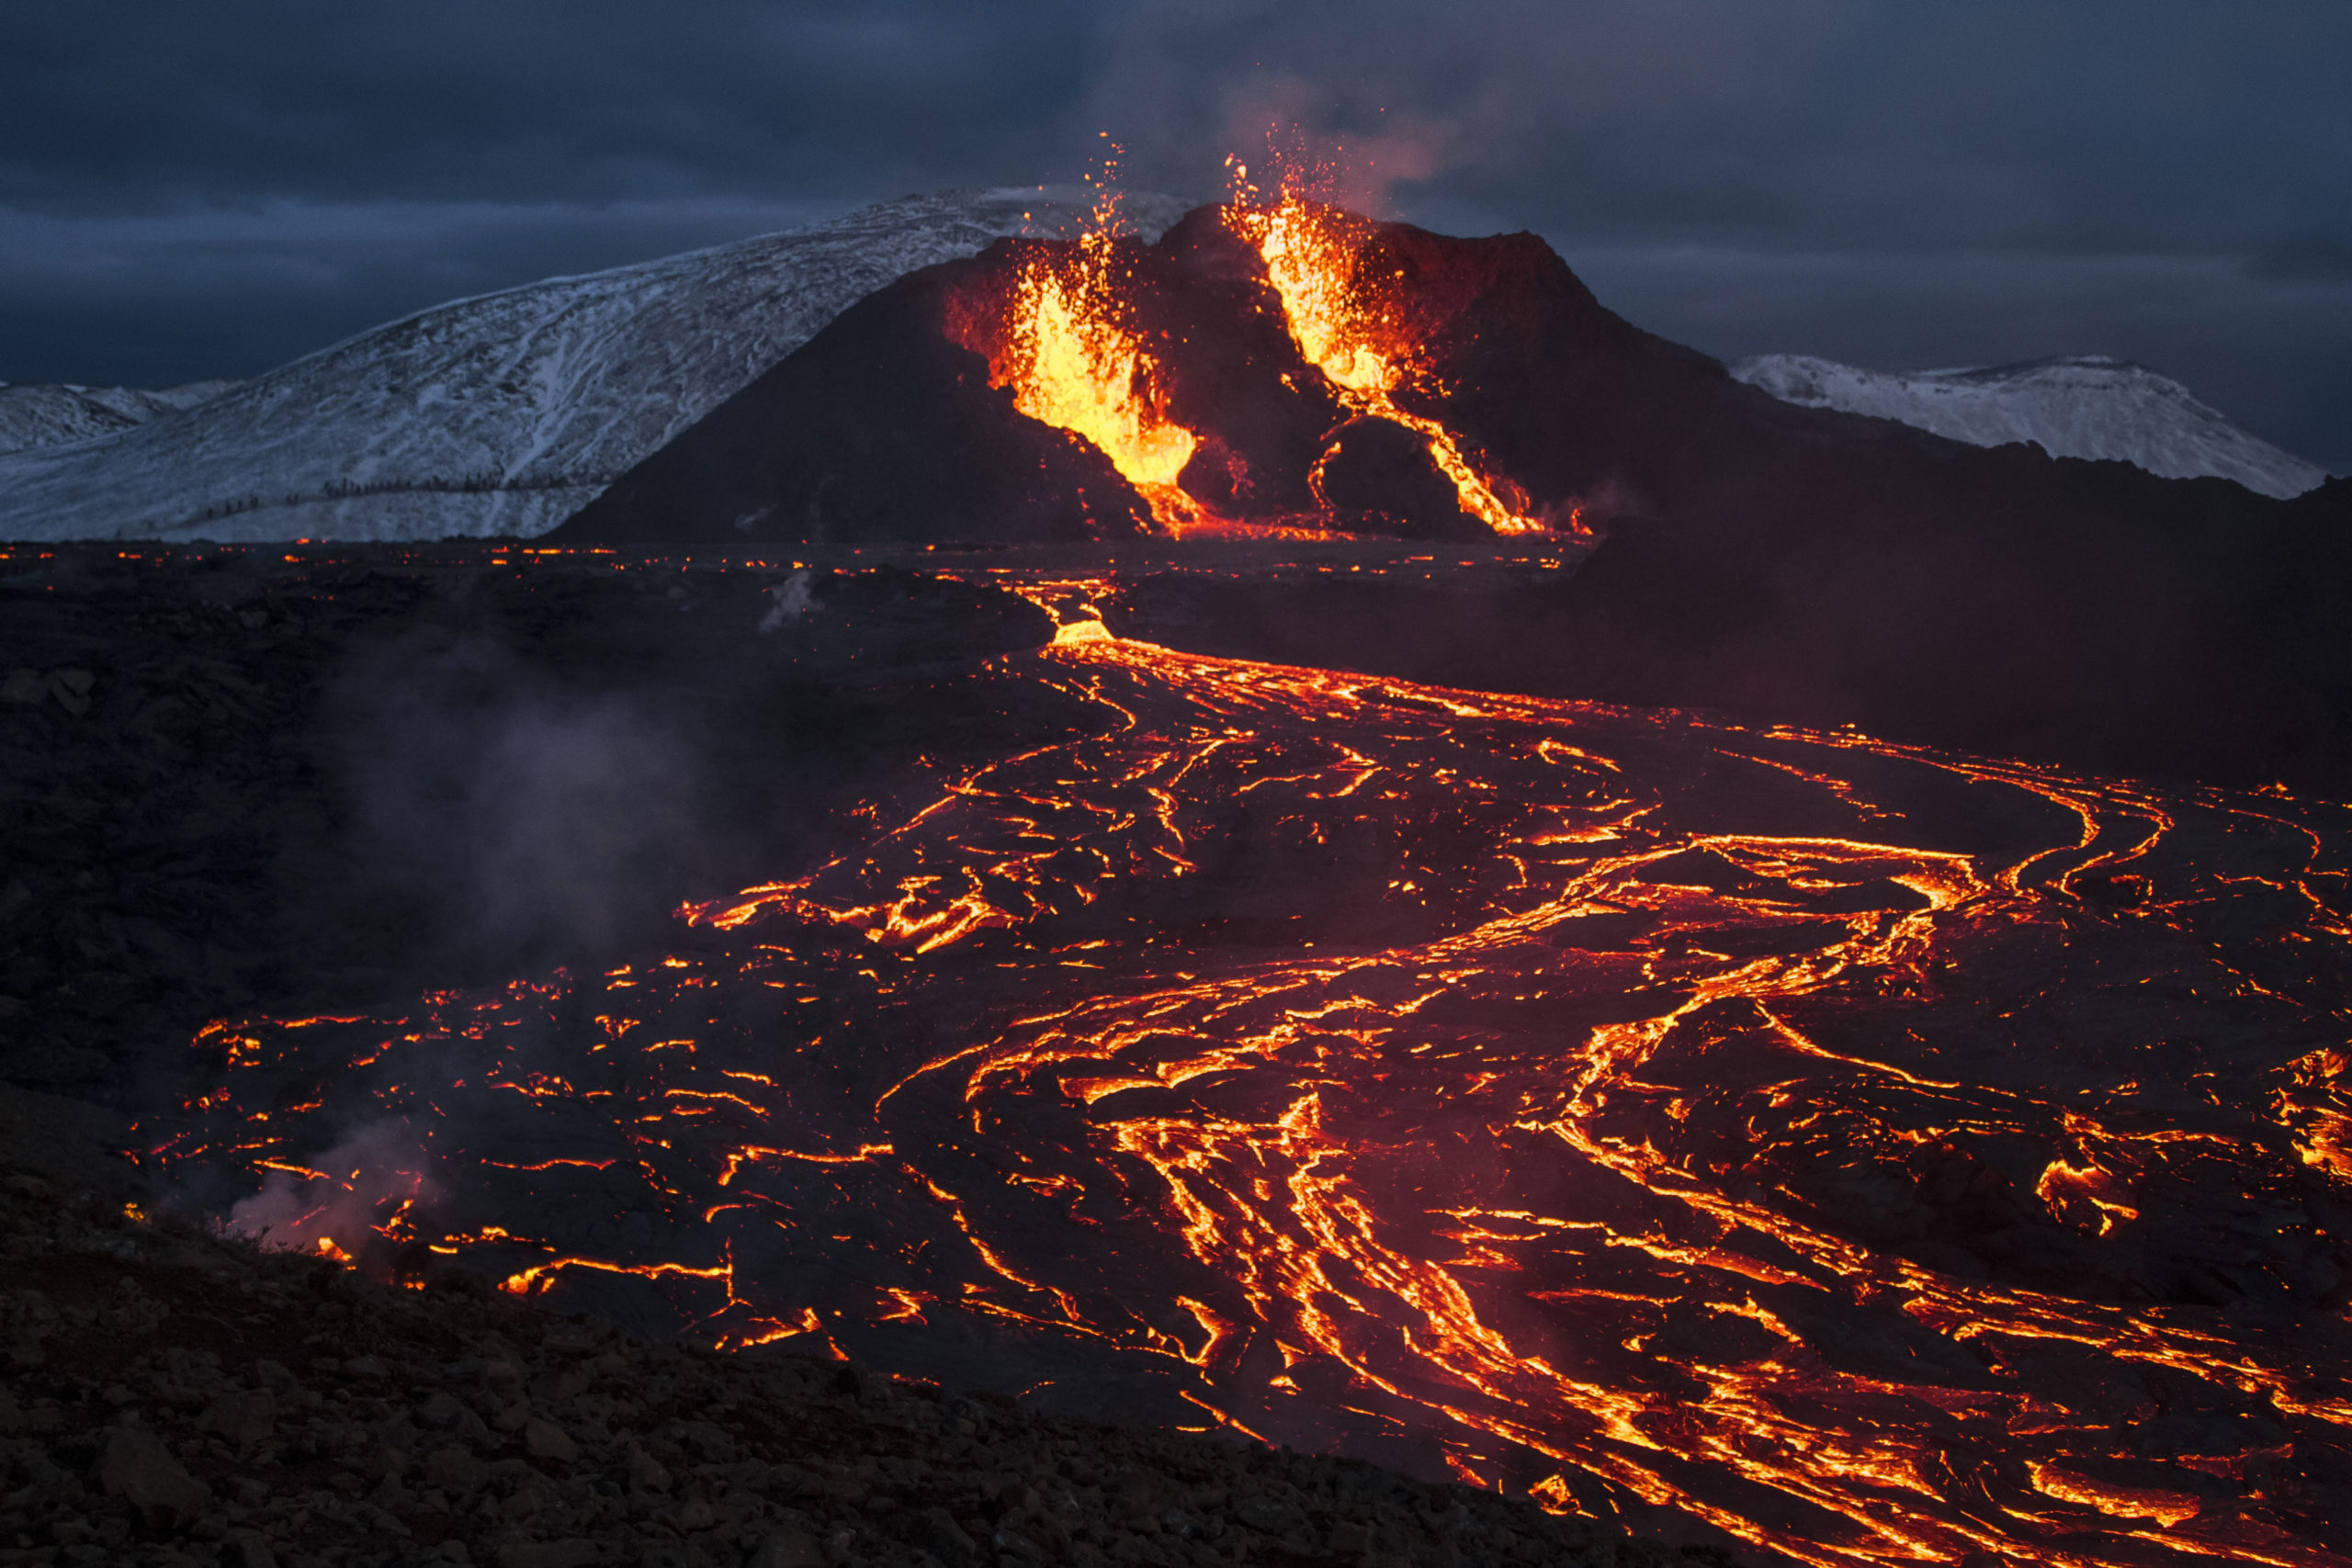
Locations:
1073 341
1759 1118
1331 306
1270 368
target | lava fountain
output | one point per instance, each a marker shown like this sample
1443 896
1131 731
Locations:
1072 361
1070 364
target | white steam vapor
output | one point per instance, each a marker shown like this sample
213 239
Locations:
357 1185
791 602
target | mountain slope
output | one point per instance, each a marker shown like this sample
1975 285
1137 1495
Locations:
505 413
2084 406
58 415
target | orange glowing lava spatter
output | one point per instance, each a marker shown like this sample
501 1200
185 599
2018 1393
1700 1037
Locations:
1072 362
1346 328
1072 357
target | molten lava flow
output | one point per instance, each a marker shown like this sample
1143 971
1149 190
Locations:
1872 1155
1344 329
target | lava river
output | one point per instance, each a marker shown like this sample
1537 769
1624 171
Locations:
1866 1154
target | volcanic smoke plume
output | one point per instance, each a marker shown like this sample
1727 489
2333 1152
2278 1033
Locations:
1863 1153
523 815
366 1179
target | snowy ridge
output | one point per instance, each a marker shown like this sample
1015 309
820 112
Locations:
2085 406
54 416
503 413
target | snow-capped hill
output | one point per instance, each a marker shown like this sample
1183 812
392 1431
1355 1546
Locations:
54 416
2084 406
503 413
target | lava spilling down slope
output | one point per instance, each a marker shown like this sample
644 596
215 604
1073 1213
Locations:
1865 1154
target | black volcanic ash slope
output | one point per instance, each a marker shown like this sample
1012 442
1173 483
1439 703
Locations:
1778 561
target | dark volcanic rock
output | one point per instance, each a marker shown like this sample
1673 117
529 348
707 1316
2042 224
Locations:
123 1335
1378 468
2086 614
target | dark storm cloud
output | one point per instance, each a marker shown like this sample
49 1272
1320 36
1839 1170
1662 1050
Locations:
148 106
209 189
1901 185
191 191
155 299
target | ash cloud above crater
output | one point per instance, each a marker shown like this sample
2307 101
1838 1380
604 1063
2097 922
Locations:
187 194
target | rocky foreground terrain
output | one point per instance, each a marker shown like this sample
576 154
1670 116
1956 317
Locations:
171 1398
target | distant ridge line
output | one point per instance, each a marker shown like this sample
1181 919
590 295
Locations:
2090 406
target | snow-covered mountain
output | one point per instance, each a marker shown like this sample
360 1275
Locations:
2083 406
55 416
505 413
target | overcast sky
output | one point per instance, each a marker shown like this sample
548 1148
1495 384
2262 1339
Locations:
209 190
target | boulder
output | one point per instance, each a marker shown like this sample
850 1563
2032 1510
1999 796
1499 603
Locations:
137 1467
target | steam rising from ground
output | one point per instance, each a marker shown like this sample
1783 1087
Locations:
335 1207
792 601
528 814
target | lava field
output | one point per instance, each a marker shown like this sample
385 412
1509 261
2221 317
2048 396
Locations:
1846 1151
